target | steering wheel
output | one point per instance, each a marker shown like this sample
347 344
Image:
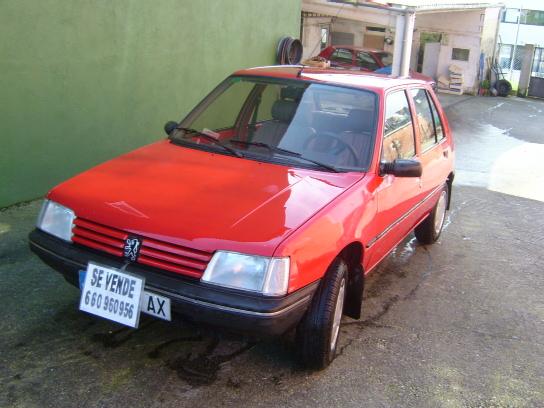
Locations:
339 144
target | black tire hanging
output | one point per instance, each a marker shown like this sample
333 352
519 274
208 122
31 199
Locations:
289 51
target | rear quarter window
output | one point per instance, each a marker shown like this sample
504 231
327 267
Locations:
437 121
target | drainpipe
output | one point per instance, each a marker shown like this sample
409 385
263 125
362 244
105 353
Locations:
398 51
409 22
404 33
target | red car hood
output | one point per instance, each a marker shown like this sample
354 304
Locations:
201 200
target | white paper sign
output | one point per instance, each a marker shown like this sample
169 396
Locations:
112 294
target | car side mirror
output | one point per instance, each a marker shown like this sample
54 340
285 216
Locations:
402 168
170 126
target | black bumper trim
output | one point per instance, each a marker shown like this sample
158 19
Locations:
235 310
232 309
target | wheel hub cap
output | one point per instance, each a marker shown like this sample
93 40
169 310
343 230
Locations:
440 213
338 314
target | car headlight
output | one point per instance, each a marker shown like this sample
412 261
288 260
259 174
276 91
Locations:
56 220
269 276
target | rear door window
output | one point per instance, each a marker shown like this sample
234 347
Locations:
398 137
439 129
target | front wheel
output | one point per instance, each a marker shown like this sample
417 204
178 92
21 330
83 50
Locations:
318 332
429 230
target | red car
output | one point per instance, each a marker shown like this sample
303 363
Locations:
349 57
264 208
364 59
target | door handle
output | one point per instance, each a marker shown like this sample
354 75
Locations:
446 153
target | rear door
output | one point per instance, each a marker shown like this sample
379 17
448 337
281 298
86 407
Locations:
433 146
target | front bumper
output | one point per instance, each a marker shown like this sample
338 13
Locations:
234 310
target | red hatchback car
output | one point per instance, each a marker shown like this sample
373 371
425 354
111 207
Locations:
349 57
264 208
364 59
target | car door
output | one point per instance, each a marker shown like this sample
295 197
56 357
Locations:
397 196
433 146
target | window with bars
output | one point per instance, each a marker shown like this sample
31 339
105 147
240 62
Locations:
538 63
506 53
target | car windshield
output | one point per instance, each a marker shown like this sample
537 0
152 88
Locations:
290 122
386 58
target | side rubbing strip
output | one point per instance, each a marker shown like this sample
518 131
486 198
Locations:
394 224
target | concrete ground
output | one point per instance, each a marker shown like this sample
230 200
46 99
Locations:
456 324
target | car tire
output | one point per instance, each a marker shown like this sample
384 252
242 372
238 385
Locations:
429 230
503 87
318 332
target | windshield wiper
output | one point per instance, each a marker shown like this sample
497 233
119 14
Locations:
287 152
211 139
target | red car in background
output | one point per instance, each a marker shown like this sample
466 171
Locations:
264 208
350 57
364 59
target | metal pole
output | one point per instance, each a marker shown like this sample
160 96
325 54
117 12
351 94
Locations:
397 51
516 44
410 19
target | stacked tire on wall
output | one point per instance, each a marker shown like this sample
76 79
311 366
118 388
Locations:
289 51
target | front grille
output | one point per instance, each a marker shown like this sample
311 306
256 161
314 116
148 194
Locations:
158 254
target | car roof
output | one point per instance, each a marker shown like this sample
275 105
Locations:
357 79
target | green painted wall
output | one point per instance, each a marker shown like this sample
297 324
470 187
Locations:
84 80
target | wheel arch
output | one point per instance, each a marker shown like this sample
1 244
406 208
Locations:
352 254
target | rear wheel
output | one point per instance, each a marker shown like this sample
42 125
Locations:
318 332
429 230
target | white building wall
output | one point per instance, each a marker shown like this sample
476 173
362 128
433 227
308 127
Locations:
469 29
311 35
472 29
528 34
347 26
489 31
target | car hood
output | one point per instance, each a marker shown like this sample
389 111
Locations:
199 199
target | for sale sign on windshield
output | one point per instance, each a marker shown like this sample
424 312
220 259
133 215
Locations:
112 294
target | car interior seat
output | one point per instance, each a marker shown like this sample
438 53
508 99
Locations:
354 130
283 112
271 132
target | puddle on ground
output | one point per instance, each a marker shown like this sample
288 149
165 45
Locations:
509 165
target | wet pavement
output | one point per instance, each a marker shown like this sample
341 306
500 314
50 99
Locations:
456 324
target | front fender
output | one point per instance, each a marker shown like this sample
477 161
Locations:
314 245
